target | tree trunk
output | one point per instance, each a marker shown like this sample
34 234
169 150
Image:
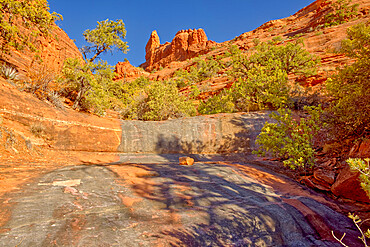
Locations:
80 94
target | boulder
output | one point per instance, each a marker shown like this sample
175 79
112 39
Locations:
186 161
312 182
364 149
347 185
325 176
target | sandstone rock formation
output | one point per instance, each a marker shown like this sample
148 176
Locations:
186 44
152 44
126 72
72 131
303 24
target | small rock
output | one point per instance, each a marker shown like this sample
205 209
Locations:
186 161
71 190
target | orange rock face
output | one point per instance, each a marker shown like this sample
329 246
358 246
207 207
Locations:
152 44
126 72
186 44
53 51
347 185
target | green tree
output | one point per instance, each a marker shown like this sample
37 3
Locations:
158 101
349 111
32 15
94 84
200 71
261 79
290 58
107 36
220 103
92 81
289 139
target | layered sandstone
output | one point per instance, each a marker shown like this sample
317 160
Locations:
53 50
186 44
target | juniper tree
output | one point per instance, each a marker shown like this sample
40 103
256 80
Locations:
107 36
94 81
349 113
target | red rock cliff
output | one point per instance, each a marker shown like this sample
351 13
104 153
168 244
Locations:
53 50
186 44
126 72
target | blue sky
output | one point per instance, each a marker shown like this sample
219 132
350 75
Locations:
221 20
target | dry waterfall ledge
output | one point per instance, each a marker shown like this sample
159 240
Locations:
213 134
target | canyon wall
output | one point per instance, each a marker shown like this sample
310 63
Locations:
52 52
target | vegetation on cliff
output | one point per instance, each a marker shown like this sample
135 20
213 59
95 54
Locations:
90 85
342 11
33 15
349 111
261 79
347 115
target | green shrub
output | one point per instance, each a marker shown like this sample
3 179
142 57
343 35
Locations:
220 103
349 111
342 12
291 140
362 166
32 15
90 86
261 79
264 88
202 70
159 101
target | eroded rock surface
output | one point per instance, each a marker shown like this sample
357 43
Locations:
219 133
186 44
126 72
207 204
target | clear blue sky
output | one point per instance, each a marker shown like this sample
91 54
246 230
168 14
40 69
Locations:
221 20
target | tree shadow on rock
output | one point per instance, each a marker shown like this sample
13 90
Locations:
218 207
